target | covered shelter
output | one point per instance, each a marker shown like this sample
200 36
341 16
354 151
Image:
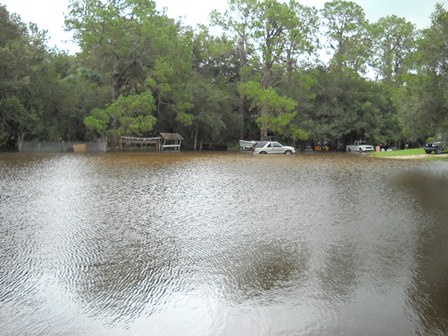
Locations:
171 140
128 140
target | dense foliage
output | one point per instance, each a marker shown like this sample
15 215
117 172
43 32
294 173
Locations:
272 68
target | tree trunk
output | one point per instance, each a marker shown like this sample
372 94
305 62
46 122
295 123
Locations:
115 94
241 110
243 61
264 127
103 144
20 142
195 138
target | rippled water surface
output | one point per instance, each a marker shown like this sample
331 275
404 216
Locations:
222 244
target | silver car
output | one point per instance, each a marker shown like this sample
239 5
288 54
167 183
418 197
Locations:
271 147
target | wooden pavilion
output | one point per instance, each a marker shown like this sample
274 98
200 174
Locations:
128 140
171 140
165 141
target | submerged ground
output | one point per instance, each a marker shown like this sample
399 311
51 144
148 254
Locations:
222 244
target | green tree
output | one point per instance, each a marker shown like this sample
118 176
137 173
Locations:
136 48
279 35
272 19
236 23
301 37
424 100
211 106
79 93
348 107
346 30
277 111
133 114
23 51
394 42
112 38
212 86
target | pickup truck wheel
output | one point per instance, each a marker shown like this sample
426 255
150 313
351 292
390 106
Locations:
439 151
263 152
428 151
288 152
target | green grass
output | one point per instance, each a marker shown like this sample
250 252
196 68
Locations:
399 152
412 151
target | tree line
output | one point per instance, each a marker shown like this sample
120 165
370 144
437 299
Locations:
261 68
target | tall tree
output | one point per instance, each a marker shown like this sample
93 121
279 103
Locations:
213 89
279 35
346 31
270 25
301 37
23 51
277 111
278 27
133 113
236 23
430 90
78 92
136 48
394 42
348 107
111 36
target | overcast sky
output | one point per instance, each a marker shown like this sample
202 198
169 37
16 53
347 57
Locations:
49 14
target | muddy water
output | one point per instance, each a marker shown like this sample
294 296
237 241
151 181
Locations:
222 244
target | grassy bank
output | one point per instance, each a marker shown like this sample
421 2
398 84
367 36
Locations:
400 152
413 153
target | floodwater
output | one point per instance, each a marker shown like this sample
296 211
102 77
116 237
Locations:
222 244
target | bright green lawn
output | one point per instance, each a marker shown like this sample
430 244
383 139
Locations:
404 152
400 152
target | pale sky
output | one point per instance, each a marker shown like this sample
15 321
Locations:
49 14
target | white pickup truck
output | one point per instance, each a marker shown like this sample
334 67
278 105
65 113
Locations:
359 147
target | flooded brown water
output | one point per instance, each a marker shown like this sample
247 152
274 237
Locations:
222 244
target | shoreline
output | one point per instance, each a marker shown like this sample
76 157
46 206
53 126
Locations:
415 156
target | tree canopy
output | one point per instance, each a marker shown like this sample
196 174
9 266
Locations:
270 68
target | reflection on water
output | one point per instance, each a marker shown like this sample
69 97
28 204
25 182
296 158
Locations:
431 194
222 244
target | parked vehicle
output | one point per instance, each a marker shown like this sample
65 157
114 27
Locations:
272 147
359 147
437 147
